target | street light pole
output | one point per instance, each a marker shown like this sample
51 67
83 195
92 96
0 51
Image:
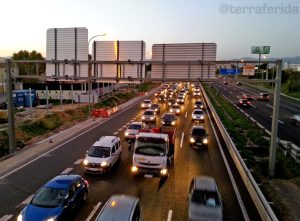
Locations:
10 109
273 146
90 70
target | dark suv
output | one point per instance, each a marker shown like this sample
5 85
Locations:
168 119
198 137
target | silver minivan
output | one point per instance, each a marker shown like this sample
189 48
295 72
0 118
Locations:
204 200
121 208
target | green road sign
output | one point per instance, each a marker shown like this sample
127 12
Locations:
260 49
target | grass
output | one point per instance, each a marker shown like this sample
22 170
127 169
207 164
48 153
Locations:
245 133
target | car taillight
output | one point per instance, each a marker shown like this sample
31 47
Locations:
248 102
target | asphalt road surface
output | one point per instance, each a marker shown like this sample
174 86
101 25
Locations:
160 199
262 111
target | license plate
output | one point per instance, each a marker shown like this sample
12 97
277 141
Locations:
148 175
198 143
94 169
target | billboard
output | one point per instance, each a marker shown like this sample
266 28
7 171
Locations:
260 49
229 71
248 70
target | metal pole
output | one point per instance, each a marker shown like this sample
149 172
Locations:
89 88
30 104
272 157
60 97
10 109
72 94
47 100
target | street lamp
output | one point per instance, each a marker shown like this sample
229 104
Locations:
90 70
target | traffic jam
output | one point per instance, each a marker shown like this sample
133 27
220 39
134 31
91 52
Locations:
152 142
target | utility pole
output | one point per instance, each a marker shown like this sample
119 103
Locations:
10 109
273 146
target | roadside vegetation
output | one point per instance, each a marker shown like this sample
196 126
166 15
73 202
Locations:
28 131
253 145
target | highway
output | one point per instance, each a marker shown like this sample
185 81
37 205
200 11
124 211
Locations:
160 199
262 111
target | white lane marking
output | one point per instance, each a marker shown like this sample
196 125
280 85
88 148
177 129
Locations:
236 190
28 199
131 121
6 217
186 114
170 215
79 161
278 120
181 142
93 212
62 144
115 133
269 105
252 105
66 171
120 129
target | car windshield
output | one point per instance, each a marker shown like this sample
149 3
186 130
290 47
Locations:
198 112
154 105
208 198
135 126
148 113
98 151
169 117
49 197
150 146
198 132
176 106
147 101
198 103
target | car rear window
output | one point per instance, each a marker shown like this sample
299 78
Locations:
207 198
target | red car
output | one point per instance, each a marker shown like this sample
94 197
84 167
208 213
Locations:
248 97
244 103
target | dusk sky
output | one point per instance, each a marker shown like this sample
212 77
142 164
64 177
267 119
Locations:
234 26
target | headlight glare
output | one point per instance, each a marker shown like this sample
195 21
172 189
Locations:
126 134
85 162
20 217
192 140
205 141
104 164
134 169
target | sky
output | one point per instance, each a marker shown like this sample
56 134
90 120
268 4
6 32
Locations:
234 25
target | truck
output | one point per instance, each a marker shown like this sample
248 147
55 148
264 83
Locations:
154 152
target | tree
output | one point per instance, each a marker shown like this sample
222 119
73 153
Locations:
293 81
29 68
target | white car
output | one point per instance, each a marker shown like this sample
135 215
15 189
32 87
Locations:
149 116
175 109
133 130
180 100
104 154
146 103
198 115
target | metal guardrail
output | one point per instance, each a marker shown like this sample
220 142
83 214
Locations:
262 205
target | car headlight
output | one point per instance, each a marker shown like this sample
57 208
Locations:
177 111
205 141
195 106
104 164
51 219
173 123
201 106
192 140
85 162
143 105
134 169
193 116
162 122
202 117
151 118
171 110
163 172
143 117
126 134
20 217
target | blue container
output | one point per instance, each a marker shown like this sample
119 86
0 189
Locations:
19 99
